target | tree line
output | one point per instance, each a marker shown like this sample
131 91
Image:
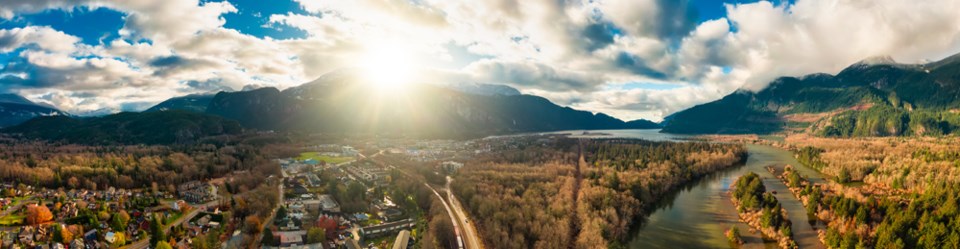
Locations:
99 167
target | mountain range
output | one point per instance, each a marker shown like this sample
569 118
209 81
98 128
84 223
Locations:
15 109
875 97
191 103
343 102
166 127
340 102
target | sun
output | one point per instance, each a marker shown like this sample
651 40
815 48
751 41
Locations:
388 66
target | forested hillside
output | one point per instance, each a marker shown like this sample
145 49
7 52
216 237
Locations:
167 127
343 102
865 99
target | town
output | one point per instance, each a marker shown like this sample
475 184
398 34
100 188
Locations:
330 196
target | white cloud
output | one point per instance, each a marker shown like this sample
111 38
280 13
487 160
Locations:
45 38
828 35
574 52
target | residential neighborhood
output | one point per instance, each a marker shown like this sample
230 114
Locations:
110 218
313 184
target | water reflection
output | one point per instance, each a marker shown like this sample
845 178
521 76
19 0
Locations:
697 214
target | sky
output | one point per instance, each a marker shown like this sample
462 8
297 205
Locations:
628 58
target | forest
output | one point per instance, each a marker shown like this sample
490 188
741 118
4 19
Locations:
886 164
761 210
909 199
883 120
547 196
100 167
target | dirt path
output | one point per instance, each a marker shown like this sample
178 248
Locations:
574 219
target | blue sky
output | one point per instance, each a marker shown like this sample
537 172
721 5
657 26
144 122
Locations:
627 58
714 9
98 25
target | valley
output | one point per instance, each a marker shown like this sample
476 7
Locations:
463 124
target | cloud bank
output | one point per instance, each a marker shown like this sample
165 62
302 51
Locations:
584 54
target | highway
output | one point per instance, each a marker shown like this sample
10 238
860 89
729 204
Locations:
468 233
454 218
472 240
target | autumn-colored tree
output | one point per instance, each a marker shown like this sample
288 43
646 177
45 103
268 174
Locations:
72 232
316 235
163 245
103 216
73 182
252 225
120 220
528 197
329 225
37 214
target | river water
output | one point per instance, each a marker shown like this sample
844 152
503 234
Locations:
697 214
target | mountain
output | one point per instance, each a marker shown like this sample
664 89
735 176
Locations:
484 89
192 102
15 109
163 127
874 97
343 103
645 124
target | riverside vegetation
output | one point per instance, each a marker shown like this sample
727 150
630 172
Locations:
545 195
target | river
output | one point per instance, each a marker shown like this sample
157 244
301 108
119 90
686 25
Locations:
697 214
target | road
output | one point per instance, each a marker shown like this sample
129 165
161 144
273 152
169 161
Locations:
456 223
17 207
471 238
458 216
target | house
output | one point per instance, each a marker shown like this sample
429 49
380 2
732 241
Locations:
90 236
328 204
312 204
359 217
348 151
180 204
77 243
204 221
403 240
451 166
352 244
110 237
197 192
290 239
387 228
391 213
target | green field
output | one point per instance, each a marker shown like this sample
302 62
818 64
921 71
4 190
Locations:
322 158
12 220
173 218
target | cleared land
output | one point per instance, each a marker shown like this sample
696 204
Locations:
323 158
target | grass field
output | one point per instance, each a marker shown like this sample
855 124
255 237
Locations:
12 220
323 158
173 218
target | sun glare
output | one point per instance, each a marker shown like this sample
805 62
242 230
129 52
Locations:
388 66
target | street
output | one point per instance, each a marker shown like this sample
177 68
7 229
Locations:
472 240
